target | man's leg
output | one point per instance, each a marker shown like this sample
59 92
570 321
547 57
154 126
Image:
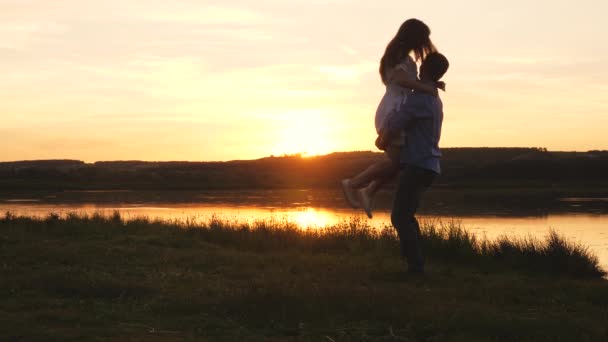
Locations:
413 181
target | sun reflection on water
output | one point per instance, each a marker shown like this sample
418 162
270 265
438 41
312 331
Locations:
311 217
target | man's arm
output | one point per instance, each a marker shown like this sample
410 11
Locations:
403 79
415 107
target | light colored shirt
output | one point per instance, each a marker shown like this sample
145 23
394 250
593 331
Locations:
395 95
421 117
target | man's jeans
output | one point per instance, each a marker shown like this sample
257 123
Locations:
413 182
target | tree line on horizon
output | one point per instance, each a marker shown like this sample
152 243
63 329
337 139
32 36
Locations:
461 167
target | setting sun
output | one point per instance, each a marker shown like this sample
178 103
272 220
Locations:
308 132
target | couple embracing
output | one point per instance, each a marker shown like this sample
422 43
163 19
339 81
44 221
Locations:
408 122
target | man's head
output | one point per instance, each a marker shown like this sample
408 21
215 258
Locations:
434 66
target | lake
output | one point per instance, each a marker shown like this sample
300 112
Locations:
583 220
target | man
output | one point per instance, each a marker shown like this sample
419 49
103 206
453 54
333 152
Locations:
421 117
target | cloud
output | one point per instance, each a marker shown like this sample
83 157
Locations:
347 73
18 35
194 12
517 60
152 10
348 50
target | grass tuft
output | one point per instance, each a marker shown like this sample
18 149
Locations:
448 242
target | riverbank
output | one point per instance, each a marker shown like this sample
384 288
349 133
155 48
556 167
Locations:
75 277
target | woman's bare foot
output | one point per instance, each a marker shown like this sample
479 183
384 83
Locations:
366 201
349 193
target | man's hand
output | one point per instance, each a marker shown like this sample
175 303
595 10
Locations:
381 142
440 85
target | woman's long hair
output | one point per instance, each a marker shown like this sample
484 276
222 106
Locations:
413 35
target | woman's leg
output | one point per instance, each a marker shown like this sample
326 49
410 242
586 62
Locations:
394 155
366 195
378 183
359 183
374 171
382 176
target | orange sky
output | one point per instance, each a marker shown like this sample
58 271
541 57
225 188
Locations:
221 80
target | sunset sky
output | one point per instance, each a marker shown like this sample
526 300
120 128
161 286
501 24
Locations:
241 79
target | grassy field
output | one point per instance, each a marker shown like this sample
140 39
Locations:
80 278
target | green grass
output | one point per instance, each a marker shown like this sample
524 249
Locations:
90 277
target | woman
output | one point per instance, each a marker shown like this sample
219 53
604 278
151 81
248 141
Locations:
399 73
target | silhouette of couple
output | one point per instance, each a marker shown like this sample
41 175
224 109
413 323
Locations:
408 122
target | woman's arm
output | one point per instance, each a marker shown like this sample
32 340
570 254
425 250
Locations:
402 79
